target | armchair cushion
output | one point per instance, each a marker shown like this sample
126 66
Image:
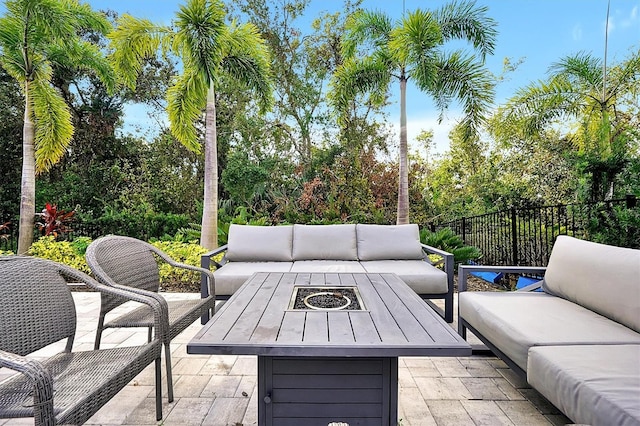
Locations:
248 243
324 242
383 242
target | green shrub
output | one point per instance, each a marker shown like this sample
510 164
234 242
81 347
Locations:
61 251
447 240
6 253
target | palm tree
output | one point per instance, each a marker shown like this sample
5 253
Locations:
376 52
207 47
35 36
580 90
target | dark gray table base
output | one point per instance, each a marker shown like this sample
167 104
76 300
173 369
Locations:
310 391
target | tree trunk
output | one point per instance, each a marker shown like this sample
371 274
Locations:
209 236
403 178
28 183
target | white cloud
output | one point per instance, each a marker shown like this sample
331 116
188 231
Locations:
416 123
631 19
576 33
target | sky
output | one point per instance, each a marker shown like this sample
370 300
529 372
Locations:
538 32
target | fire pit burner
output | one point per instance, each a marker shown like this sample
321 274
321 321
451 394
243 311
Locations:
326 299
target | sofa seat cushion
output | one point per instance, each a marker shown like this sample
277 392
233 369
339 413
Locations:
422 277
383 242
232 275
516 321
324 242
327 266
594 385
260 243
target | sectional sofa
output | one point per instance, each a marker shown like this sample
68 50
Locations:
577 341
349 248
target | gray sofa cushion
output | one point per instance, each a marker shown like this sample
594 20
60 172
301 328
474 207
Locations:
422 277
383 242
326 266
324 242
516 321
260 243
232 275
602 278
594 385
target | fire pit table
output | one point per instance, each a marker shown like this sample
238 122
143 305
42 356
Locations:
327 344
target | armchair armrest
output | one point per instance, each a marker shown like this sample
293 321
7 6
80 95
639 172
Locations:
464 270
39 376
205 272
156 302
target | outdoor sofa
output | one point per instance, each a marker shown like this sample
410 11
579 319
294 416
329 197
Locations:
351 248
577 341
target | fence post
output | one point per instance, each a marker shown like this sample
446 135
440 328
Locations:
464 229
514 236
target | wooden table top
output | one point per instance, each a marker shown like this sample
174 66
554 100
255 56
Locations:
257 320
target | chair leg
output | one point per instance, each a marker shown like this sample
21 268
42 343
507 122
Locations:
158 389
448 308
96 345
462 330
167 359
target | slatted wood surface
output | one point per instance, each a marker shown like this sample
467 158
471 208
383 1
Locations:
397 322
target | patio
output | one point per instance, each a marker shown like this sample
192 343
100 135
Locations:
221 390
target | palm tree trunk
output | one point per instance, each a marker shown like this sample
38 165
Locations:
28 183
403 178
209 236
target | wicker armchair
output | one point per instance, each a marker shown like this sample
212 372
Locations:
132 264
36 309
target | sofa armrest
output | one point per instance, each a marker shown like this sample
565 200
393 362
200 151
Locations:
447 258
207 258
464 270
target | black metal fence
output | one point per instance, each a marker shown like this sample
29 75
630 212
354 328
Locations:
525 236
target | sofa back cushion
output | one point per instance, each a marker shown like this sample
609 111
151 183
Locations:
260 243
324 242
388 242
602 278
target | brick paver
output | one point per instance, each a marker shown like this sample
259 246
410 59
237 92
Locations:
221 390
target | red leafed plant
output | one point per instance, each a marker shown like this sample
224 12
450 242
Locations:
54 221
4 228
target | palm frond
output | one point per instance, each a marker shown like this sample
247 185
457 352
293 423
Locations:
200 24
83 55
131 42
543 103
464 78
464 21
364 27
53 20
247 59
625 77
87 18
186 99
581 70
11 57
355 77
54 128
417 35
